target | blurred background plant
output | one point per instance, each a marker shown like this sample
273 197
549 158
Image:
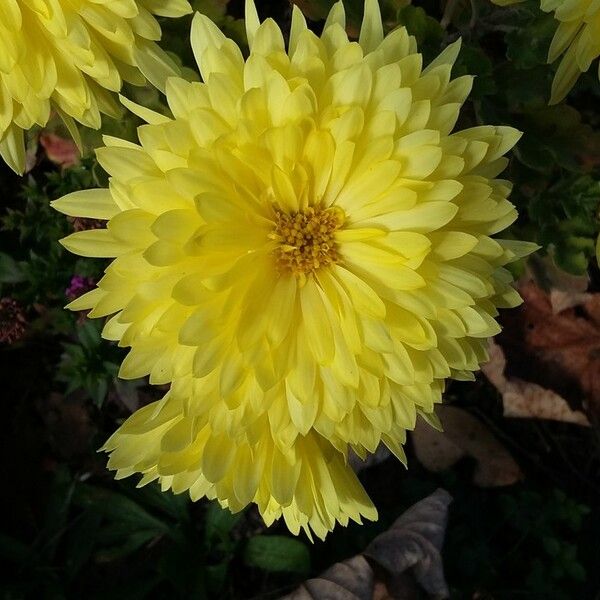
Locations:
526 532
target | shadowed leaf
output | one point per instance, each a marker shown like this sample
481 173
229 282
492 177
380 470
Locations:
393 563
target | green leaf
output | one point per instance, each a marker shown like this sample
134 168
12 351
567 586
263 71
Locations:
88 335
570 261
551 546
57 509
119 510
98 391
474 61
113 369
277 553
10 270
172 505
219 522
81 541
557 135
528 45
420 24
132 543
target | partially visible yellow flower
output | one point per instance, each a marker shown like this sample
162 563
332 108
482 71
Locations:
69 55
577 40
304 252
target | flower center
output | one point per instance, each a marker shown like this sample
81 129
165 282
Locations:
306 239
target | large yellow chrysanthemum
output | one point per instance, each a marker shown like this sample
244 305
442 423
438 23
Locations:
68 55
577 40
304 252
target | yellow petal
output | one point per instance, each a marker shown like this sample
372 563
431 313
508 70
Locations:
91 204
371 31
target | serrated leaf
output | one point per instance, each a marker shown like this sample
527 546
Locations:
98 391
528 45
420 24
88 335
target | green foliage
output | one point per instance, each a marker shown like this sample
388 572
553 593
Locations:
543 523
90 364
31 259
568 224
277 553
529 40
426 29
87 526
11 271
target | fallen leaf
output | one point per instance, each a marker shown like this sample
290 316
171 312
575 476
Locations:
396 565
464 435
560 351
414 542
524 399
348 580
59 150
561 300
566 290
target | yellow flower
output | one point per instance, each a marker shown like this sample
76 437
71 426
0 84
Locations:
69 55
303 251
577 40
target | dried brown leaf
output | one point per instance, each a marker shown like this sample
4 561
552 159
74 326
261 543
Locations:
402 557
545 272
414 542
561 300
560 351
59 150
524 399
464 435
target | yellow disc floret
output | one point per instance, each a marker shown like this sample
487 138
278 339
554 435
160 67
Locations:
306 239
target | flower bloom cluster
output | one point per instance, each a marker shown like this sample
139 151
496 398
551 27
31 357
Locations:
304 252
78 286
577 40
68 56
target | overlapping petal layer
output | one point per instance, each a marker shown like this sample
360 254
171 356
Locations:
577 40
304 252
69 55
